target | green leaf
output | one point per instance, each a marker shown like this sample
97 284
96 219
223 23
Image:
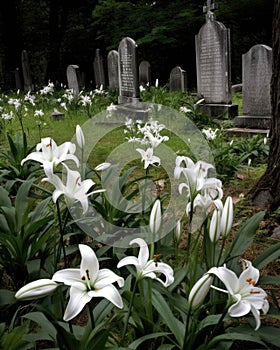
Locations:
7 297
176 327
267 256
139 341
22 203
233 336
269 279
43 322
4 198
245 237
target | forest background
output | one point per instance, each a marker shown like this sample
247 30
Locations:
62 32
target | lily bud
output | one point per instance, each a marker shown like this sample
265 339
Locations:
36 289
80 137
155 217
215 230
102 166
200 290
227 217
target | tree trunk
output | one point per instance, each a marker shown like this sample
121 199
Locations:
266 193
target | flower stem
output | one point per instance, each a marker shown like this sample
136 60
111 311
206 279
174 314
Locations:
61 232
91 316
128 313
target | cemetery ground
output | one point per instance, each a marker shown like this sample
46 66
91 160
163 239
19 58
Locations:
239 163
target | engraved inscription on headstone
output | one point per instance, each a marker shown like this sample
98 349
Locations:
128 71
177 80
113 71
73 78
145 73
98 69
256 76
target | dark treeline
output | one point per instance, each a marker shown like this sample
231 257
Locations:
62 32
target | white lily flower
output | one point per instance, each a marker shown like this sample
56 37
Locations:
75 189
227 217
146 267
88 282
148 157
36 289
50 155
80 137
200 290
244 295
155 217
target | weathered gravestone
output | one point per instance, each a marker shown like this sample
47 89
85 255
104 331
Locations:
178 80
113 71
145 73
256 77
18 79
128 72
73 78
213 66
129 93
98 69
27 78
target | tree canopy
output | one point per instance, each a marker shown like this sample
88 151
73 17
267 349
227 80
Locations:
66 32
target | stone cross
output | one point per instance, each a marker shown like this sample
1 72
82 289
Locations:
209 8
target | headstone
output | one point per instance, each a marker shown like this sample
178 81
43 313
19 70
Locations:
113 71
256 77
128 72
213 66
145 73
27 78
18 80
98 69
178 80
73 78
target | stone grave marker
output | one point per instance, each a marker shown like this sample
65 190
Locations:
213 66
98 69
128 72
73 78
145 73
27 78
18 79
113 71
178 80
256 77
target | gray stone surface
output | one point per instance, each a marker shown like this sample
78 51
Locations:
213 64
128 72
98 69
73 78
145 73
256 77
178 80
27 77
113 71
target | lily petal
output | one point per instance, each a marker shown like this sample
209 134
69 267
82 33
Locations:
89 262
78 299
36 289
109 292
105 277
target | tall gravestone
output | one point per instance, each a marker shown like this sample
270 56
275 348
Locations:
113 70
145 73
178 80
128 72
213 66
256 77
73 78
98 69
27 77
